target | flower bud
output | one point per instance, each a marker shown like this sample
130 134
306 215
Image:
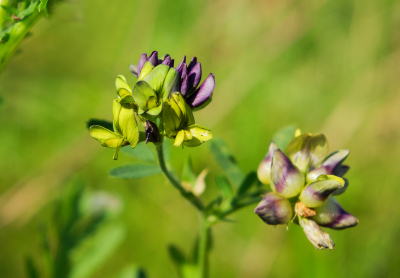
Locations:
333 216
307 151
203 95
317 192
274 209
176 115
125 122
152 132
123 90
286 179
264 169
147 68
146 99
315 235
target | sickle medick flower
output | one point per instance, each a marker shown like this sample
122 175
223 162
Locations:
163 100
303 181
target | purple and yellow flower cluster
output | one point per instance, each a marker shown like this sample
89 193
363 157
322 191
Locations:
303 183
162 100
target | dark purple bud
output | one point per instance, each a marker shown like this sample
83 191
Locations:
274 209
332 215
167 60
192 64
142 60
152 133
182 69
153 58
182 63
184 86
194 77
203 94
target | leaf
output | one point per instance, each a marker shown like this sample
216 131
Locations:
132 272
225 187
226 160
142 152
283 136
103 123
31 268
43 5
188 175
250 179
28 11
101 246
9 9
135 171
176 255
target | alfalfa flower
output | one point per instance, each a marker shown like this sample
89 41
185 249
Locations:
305 177
162 100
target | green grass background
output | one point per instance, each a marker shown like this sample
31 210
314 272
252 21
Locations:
325 66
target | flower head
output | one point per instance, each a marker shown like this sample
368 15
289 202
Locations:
303 181
163 100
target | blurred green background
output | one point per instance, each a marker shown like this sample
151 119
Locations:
325 66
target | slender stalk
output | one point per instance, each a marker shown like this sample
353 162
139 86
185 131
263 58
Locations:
193 199
203 251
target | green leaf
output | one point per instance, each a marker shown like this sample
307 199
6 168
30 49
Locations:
177 255
250 179
33 7
9 9
132 272
283 136
142 152
225 187
43 5
101 246
188 175
135 171
31 268
226 160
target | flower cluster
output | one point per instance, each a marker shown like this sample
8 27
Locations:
162 101
303 182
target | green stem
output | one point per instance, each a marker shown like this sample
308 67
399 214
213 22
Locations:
193 199
18 32
204 242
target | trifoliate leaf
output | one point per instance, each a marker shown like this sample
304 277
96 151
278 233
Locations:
135 171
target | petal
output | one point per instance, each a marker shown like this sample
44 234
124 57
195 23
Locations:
274 209
181 64
308 151
171 83
142 92
157 77
106 137
340 191
153 58
264 169
198 135
147 68
134 70
194 77
142 61
332 215
317 192
330 165
184 86
286 179
341 170
315 235
192 64
204 94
